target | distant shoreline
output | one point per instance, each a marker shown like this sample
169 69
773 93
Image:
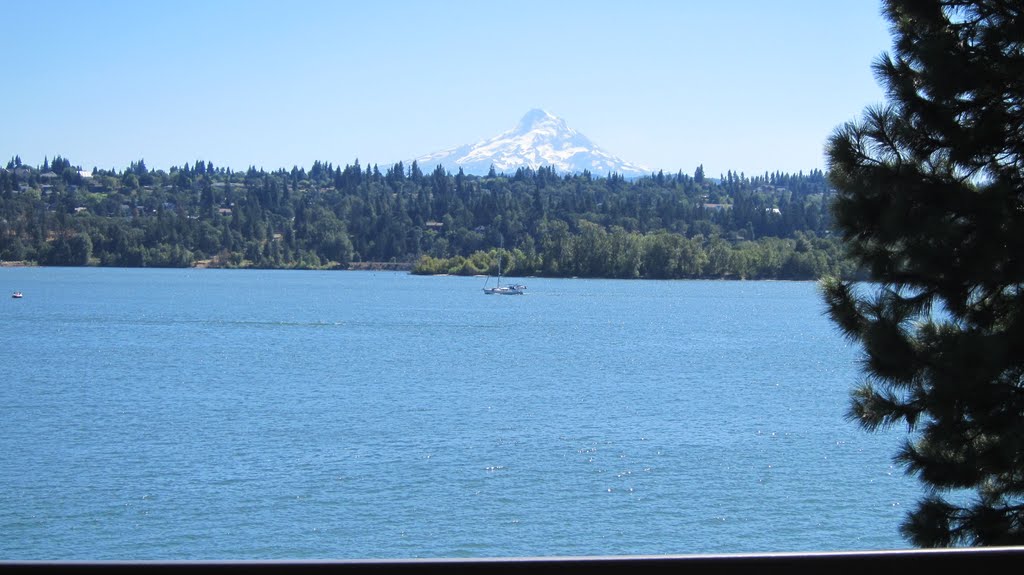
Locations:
397 267
206 264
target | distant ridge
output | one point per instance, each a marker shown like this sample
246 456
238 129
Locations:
540 139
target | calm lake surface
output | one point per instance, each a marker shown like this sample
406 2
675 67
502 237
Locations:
220 414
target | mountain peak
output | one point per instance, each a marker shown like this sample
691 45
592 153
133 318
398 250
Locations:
535 118
539 139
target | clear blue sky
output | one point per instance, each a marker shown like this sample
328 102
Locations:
749 86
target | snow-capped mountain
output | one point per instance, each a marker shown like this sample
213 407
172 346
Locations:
540 139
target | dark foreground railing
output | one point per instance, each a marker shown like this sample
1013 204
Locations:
969 561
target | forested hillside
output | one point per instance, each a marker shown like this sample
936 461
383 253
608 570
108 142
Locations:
663 226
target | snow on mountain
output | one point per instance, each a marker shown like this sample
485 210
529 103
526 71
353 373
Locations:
539 139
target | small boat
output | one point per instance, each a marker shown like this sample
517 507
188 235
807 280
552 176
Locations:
17 295
514 289
505 290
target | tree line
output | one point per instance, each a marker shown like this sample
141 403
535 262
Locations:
773 225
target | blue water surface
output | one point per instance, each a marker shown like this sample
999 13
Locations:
242 414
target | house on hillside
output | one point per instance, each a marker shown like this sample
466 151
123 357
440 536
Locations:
717 207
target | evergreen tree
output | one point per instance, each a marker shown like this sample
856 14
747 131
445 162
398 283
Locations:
931 203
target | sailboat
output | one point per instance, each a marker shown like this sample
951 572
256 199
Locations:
515 289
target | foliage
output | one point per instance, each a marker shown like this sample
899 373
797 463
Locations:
664 226
930 202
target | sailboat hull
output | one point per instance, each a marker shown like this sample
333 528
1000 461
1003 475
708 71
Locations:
503 290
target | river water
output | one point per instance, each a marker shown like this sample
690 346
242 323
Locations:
243 414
